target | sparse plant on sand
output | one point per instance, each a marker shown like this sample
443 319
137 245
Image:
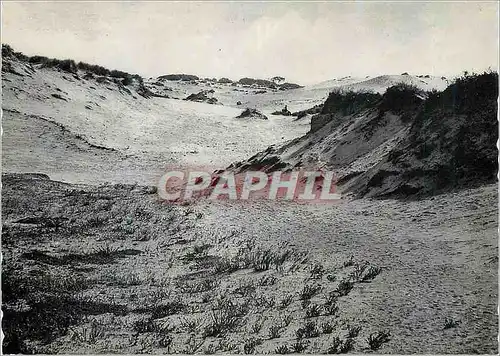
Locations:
359 269
450 323
126 280
226 346
305 303
309 291
225 264
166 309
257 326
150 325
274 331
282 350
224 318
309 330
299 346
327 327
347 346
266 281
245 289
286 320
210 349
250 345
376 340
265 302
191 325
335 346
317 271
145 326
330 305
261 260
198 251
193 345
90 333
344 287
349 262
106 251
371 274
353 331
196 286
331 277
314 310
338 346
286 301
165 341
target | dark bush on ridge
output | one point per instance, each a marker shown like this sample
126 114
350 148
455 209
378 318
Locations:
475 156
268 84
67 65
70 66
93 68
288 86
224 81
259 82
38 59
7 50
181 77
467 92
349 102
401 97
118 74
314 110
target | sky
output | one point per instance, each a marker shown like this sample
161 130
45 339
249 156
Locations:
305 42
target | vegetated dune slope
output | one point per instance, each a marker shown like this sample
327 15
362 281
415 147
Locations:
451 143
405 141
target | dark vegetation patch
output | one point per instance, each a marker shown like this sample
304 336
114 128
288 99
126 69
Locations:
402 99
224 81
311 111
342 103
70 66
289 86
181 77
51 308
103 255
284 112
47 294
349 102
59 96
202 97
451 143
252 114
267 84
165 309
469 108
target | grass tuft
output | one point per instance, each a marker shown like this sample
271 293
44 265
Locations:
309 330
376 340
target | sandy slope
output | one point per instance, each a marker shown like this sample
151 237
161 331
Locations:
296 99
161 131
379 84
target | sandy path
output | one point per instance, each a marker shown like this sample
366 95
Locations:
436 255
